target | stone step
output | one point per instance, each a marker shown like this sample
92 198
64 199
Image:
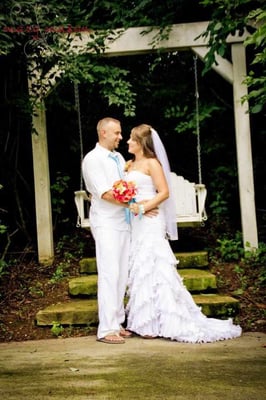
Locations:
217 305
195 281
193 259
88 266
72 312
197 259
84 311
83 286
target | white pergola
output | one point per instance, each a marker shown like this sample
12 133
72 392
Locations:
132 42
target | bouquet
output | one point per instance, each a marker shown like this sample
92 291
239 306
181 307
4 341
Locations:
124 191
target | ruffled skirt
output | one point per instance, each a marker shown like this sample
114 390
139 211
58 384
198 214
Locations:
159 304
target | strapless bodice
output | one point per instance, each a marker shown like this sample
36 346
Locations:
144 184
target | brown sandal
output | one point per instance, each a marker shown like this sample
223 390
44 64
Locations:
148 337
125 333
112 339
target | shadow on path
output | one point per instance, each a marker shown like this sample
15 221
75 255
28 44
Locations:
81 368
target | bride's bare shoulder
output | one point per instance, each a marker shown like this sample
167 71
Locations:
153 162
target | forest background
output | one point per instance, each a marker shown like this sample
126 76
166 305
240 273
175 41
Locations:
156 88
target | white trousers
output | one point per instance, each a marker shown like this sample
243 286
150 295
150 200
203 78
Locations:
112 255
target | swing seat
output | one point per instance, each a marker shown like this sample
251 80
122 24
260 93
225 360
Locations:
190 203
82 202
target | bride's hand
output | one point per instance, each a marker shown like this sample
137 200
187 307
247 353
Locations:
139 208
151 213
134 208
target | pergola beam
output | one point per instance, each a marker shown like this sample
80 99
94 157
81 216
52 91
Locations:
133 41
223 67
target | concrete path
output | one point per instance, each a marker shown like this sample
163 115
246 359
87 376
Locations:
81 368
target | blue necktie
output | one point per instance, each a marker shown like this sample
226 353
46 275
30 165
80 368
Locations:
116 159
121 174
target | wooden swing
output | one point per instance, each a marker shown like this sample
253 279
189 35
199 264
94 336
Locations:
190 197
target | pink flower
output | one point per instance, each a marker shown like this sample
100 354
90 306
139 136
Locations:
124 191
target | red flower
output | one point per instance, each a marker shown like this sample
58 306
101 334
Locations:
124 191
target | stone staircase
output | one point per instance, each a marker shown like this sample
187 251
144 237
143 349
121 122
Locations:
81 308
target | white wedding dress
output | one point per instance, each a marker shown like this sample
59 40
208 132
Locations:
159 304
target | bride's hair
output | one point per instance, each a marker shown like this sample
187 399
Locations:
153 147
142 135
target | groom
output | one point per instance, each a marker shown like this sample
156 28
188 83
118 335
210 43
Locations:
110 230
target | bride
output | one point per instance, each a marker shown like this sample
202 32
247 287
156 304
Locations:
159 304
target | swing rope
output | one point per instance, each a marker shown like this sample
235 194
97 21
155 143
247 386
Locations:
197 118
77 106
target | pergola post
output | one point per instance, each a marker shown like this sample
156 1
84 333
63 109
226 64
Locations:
243 148
42 187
